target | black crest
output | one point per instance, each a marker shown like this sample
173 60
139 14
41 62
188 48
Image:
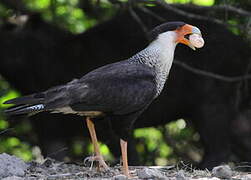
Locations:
169 26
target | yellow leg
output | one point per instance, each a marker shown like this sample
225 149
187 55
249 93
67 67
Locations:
91 129
123 145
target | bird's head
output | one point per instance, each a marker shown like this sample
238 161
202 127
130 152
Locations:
184 33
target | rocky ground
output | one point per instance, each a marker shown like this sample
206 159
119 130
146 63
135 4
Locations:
13 168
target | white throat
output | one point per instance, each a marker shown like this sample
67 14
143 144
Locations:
159 55
164 46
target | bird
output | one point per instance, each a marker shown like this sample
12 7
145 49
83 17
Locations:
118 92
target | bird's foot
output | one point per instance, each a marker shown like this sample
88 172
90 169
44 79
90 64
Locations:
127 173
99 159
133 173
130 174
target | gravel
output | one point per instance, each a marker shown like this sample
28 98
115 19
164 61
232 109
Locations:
147 173
120 177
223 172
181 175
13 168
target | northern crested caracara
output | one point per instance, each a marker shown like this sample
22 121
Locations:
121 90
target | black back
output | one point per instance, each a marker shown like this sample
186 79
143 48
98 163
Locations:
169 26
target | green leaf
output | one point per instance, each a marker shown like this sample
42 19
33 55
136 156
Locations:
203 2
10 95
37 4
3 124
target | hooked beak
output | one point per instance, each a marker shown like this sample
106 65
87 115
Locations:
184 32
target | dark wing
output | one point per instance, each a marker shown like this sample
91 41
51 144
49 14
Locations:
118 88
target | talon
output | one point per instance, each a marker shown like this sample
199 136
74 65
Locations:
98 159
102 163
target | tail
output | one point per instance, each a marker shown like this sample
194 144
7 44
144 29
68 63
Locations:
30 105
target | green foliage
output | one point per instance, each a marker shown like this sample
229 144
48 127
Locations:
196 2
38 5
11 94
14 146
153 142
234 28
77 148
3 124
67 14
4 12
64 13
150 142
11 144
203 2
152 137
104 150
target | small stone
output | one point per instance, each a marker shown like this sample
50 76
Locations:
223 172
196 40
243 177
181 175
11 166
147 173
206 178
163 178
13 178
120 177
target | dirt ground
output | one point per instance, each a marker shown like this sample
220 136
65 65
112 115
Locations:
13 168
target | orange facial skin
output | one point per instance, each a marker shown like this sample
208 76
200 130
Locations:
185 30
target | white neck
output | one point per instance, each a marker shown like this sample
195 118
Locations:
166 44
159 55
159 52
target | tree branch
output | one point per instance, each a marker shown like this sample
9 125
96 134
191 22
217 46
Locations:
139 21
223 7
6 130
212 75
151 13
183 13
